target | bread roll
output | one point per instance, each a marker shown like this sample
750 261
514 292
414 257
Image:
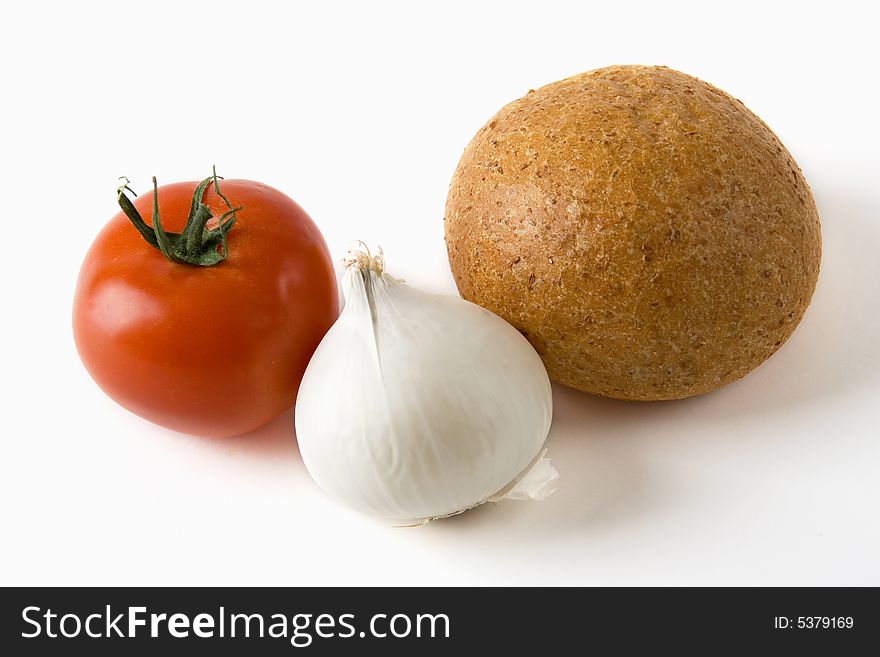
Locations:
649 235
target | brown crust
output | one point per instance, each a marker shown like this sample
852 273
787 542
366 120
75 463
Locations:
649 235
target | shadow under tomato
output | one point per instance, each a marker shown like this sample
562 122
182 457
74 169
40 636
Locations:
274 440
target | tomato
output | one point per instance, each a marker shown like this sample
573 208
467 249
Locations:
214 350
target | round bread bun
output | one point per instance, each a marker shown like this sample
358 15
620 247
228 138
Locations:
650 236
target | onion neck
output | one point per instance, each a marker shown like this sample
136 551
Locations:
364 261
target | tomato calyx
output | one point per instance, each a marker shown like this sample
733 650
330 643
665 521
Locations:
196 244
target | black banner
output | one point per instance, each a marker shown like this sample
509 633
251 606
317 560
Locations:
114 621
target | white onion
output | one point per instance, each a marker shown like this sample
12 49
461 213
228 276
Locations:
417 406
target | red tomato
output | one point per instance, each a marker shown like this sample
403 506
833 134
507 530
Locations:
208 350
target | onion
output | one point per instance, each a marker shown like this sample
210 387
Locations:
417 406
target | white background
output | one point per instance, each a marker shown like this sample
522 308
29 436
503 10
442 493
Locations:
360 111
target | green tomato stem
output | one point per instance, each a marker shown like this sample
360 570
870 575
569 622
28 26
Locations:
196 244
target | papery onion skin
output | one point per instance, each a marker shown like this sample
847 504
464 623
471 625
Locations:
417 406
